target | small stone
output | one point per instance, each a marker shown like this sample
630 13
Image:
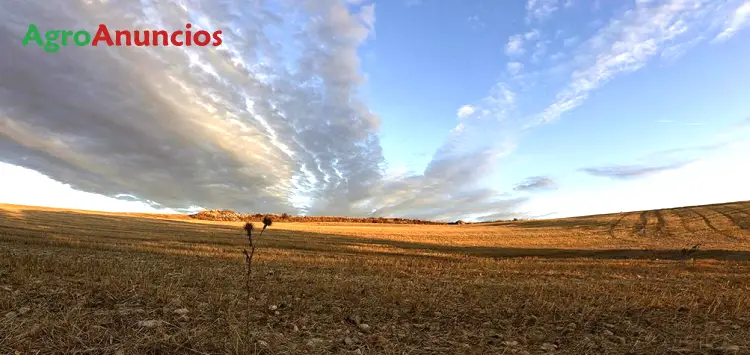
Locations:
364 327
181 311
295 328
314 341
24 310
572 325
608 332
510 343
728 348
348 341
358 351
609 325
276 313
622 340
536 337
149 323
262 343
273 307
549 347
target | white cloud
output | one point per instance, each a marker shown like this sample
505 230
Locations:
532 35
627 43
514 46
514 68
739 19
245 126
714 179
541 9
465 111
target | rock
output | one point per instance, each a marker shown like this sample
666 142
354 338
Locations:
149 323
622 340
181 311
549 347
358 351
276 313
537 337
608 332
314 341
262 343
727 349
24 310
609 325
572 325
510 343
295 328
348 341
273 307
364 327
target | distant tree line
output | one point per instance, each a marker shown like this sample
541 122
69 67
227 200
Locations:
229 215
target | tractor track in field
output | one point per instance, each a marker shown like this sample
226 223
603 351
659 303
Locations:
661 224
711 225
640 227
739 223
683 220
617 223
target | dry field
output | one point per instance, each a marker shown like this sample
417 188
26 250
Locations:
96 283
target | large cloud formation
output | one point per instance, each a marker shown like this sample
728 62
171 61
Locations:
269 121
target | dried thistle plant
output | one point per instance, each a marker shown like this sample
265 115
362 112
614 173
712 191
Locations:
249 263
249 227
267 222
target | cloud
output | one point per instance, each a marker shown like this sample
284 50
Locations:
628 42
631 171
515 45
514 68
245 126
411 3
739 19
532 35
541 9
465 111
535 183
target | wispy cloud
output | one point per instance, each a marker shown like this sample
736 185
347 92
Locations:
738 20
631 171
514 45
514 68
465 111
541 9
628 42
536 183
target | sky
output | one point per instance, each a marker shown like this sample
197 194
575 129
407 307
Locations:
442 110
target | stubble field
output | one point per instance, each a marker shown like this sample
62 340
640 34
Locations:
630 283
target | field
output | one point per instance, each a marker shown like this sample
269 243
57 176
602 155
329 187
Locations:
630 283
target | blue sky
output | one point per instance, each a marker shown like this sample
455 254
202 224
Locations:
430 109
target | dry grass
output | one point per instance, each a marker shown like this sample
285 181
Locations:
84 282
